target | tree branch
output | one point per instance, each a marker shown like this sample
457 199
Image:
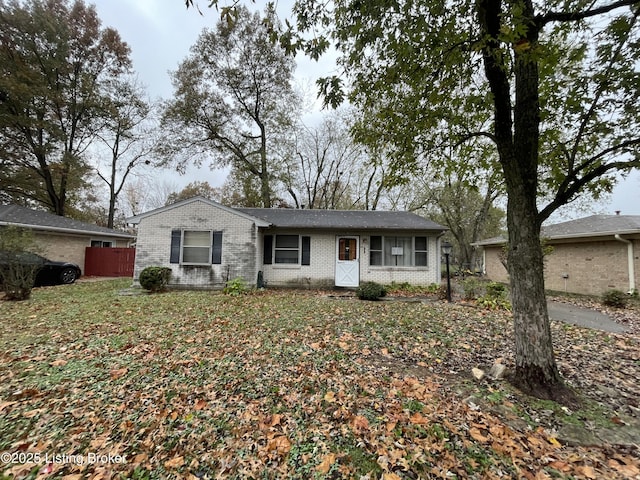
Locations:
564 195
542 20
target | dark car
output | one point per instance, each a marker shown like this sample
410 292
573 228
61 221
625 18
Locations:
49 272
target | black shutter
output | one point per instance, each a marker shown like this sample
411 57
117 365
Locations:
176 236
267 250
216 248
306 251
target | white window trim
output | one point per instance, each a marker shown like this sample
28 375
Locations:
182 247
298 249
413 252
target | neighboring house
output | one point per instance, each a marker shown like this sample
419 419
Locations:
62 238
590 255
207 244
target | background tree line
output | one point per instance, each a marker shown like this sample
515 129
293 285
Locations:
81 138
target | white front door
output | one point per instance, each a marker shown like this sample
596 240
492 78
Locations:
347 261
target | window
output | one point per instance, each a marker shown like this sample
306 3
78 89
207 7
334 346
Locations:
421 252
287 250
347 249
398 251
375 251
101 243
196 247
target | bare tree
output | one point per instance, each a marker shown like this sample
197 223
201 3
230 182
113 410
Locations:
128 136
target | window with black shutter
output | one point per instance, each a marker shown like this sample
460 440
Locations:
196 247
306 251
267 250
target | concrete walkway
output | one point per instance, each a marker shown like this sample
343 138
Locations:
583 317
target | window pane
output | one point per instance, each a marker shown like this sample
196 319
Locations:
376 243
421 244
375 258
196 255
199 239
286 241
287 256
347 249
421 259
397 251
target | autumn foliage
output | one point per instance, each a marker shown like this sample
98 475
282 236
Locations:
283 385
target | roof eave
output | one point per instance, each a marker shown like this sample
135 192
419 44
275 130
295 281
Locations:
68 230
568 236
135 220
592 234
358 227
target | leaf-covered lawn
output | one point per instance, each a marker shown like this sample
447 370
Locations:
290 384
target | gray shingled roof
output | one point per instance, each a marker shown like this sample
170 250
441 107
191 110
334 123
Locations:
38 220
342 219
592 226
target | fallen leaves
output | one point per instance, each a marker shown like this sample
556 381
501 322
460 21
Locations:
175 462
326 463
279 385
116 373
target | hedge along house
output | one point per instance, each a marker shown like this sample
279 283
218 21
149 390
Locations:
589 255
207 244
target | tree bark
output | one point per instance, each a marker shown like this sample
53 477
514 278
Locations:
517 140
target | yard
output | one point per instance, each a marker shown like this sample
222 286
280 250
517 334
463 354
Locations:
295 384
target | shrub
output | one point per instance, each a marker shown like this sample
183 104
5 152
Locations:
493 303
472 288
235 287
495 297
155 279
495 290
615 298
370 291
17 276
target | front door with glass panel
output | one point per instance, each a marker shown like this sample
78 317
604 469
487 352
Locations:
347 262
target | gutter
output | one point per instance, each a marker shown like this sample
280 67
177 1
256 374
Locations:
69 230
630 267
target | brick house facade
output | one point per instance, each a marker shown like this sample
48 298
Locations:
590 255
61 238
207 244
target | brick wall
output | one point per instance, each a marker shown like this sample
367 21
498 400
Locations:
321 271
239 255
70 248
590 267
242 252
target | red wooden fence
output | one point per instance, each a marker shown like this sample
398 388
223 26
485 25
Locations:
109 262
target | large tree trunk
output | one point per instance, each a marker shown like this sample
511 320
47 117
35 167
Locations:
536 369
517 140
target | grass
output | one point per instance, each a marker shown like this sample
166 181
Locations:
279 385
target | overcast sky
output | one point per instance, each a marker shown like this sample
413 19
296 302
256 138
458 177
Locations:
160 33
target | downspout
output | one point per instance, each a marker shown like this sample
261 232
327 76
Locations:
484 261
631 268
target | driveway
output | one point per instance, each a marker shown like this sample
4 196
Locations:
583 317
